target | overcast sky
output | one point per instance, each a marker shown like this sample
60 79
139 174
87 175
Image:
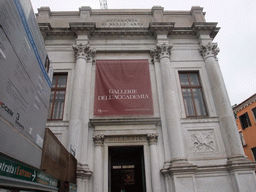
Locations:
236 38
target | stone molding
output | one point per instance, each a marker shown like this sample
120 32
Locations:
184 167
83 171
244 104
84 51
82 26
152 138
125 138
210 49
240 163
199 120
125 121
166 27
206 27
162 51
181 167
153 28
98 139
57 123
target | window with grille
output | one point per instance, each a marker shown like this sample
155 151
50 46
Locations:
192 94
245 120
57 98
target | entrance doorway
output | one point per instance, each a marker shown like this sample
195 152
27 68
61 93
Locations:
126 168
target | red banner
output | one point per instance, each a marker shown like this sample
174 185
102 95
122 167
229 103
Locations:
122 87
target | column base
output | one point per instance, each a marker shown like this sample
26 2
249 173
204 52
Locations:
179 176
83 175
83 171
178 166
240 162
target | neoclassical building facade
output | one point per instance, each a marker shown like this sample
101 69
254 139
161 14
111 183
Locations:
139 99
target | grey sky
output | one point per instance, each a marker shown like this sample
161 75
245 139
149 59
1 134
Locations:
236 39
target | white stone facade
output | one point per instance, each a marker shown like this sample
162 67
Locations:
188 154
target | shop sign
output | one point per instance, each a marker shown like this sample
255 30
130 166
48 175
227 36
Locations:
9 168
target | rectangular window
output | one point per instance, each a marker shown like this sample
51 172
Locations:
242 138
254 152
192 94
254 113
57 97
245 121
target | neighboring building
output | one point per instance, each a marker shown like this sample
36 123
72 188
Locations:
25 86
246 123
139 98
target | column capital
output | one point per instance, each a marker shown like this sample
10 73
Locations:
80 50
98 139
84 51
152 138
209 50
90 54
162 51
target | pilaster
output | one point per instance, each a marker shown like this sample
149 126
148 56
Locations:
83 176
233 145
98 163
155 169
76 124
170 99
239 166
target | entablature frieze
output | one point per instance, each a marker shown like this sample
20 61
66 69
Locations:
125 138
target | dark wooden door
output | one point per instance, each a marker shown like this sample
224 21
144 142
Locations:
127 169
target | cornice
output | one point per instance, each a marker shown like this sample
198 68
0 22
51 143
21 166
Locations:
183 31
154 27
128 121
161 26
61 32
208 27
50 31
45 27
245 103
82 26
